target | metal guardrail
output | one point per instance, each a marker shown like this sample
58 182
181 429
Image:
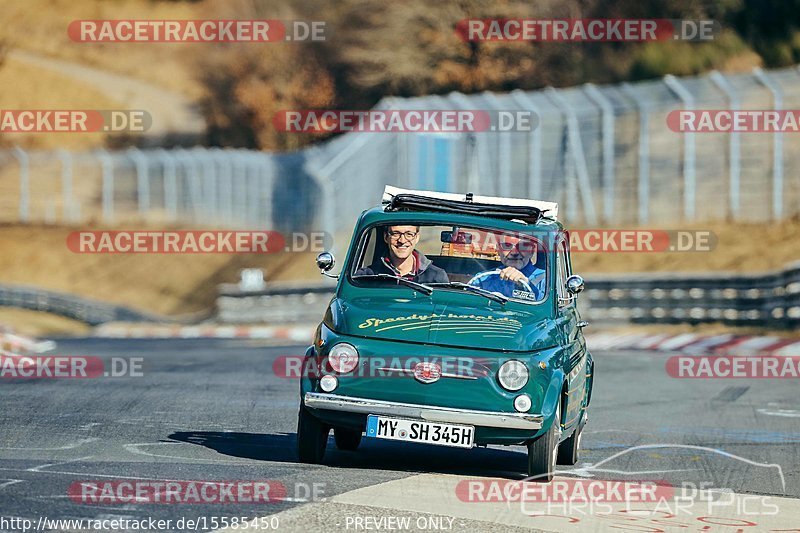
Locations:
84 310
770 300
767 300
287 303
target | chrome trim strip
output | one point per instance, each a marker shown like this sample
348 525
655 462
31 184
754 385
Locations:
411 373
429 413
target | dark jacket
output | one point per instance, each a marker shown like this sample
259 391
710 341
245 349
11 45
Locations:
427 272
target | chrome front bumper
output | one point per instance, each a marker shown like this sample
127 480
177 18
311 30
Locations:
429 413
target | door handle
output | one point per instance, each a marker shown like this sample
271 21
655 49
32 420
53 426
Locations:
583 324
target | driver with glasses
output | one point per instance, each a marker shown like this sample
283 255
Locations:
519 277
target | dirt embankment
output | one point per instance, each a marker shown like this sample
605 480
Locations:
176 284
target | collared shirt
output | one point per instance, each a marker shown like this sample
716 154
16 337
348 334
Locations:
491 281
414 268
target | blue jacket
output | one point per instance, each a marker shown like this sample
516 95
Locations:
490 280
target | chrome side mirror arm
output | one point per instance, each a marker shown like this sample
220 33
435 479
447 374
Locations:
575 284
325 263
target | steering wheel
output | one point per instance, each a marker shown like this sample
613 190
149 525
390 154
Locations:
522 283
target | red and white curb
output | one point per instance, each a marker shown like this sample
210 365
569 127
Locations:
209 331
695 344
11 343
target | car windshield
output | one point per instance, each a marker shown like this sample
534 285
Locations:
479 261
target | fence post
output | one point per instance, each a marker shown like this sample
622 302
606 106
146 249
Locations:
535 149
107 163
170 184
689 158
607 113
24 183
191 167
480 150
225 161
330 203
142 179
777 144
209 184
644 153
252 184
734 146
576 147
66 185
240 187
503 151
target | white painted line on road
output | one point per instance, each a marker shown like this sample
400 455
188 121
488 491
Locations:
133 448
65 447
10 482
40 467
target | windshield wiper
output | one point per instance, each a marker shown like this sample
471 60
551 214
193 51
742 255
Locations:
424 289
497 297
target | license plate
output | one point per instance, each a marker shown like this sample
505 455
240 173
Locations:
382 427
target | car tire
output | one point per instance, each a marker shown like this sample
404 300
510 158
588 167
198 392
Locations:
542 452
312 437
569 450
347 439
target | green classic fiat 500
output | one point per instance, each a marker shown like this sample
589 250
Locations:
454 323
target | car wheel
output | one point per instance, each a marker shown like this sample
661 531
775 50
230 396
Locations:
543 451
312 437
569 450
347 439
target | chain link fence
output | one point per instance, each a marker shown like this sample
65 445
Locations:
604 153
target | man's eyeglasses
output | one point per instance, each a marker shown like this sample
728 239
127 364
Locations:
395 235
521 245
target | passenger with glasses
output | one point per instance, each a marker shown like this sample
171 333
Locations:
403 260
519 277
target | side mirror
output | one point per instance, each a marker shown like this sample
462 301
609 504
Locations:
325 262
575 284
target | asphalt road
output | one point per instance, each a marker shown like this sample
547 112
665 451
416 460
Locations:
213 410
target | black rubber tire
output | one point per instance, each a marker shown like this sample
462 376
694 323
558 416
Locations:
569 451
542 453
312 437
347 439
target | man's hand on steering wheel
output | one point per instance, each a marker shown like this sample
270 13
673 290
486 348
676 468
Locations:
513 274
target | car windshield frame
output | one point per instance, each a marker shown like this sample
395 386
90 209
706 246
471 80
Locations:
357 252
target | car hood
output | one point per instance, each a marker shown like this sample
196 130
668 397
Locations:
440 320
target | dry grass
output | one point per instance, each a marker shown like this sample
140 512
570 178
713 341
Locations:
740 248
41 89
36 324
164 283
41 26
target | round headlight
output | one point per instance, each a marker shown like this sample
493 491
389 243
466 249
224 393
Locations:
522 403
513 375
328 383
343 358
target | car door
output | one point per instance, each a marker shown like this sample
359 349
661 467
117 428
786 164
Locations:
572 334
